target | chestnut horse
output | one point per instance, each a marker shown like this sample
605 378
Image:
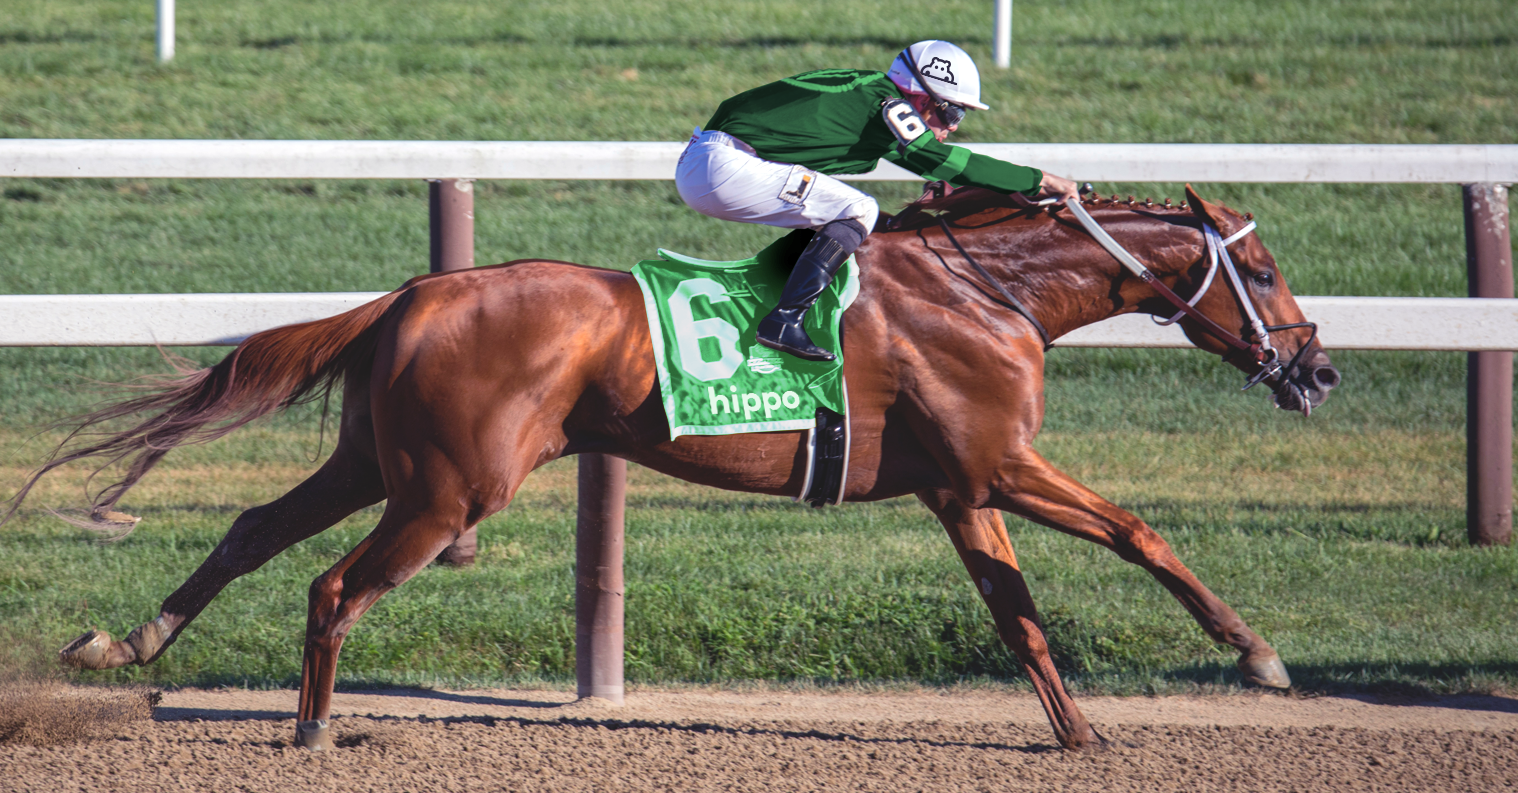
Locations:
457 385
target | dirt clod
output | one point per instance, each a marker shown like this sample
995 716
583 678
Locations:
39 708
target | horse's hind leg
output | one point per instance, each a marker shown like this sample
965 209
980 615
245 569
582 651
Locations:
348 482
981 540
1044 494
405 541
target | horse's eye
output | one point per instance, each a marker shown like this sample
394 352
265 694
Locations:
1264 279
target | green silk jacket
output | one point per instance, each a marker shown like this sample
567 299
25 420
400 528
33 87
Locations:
830 121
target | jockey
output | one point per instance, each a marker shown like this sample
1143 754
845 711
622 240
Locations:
766 155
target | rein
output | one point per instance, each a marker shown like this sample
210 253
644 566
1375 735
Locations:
1255 351
1262 352
1012 301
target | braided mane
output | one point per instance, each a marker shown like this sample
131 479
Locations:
972 198
960 203
967 201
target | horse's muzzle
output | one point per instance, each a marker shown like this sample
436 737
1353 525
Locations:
1307 384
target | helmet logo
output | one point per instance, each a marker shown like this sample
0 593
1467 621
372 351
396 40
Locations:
940 71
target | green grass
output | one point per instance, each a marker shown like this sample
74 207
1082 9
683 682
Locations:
1340 538
1384 71
1353 588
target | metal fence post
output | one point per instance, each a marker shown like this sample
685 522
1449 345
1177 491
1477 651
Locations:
1001 40
165 37
598 577
450 212
1489 375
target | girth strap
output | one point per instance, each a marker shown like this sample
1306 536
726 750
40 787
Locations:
827 460
1012 301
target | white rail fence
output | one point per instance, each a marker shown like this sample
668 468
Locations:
1097 162
1345 323
1348 323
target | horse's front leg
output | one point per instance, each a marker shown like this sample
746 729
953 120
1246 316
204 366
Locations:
1036 490
981 540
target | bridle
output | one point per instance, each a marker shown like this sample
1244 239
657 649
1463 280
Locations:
1261 351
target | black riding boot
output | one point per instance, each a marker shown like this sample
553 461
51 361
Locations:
782 329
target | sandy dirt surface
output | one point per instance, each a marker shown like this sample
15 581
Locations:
768 740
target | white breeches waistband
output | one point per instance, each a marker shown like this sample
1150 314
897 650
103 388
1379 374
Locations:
720 176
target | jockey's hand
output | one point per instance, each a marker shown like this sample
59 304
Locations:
1058 187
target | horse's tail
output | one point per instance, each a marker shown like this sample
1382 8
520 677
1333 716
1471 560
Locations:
267 372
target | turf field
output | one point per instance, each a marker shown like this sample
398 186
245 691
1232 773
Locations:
1339 538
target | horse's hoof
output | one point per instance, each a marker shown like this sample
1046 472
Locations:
313 735
1267 671
1088 741
89 651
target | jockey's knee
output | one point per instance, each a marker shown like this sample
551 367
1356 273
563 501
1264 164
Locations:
849 233
852 225
863 213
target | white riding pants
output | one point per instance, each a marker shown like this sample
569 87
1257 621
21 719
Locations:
720 176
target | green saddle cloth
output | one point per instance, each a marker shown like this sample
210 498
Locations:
715 378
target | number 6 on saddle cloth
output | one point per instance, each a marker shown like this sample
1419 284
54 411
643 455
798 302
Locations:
715 379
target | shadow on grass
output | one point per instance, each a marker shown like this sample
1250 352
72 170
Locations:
701 503
1350 508
1488 703
59 37
753 42
1403 679
707 500
1176 41
1409 523
1166 41
1486 686
507 37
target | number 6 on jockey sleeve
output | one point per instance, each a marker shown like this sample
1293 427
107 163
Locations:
903 121
689 331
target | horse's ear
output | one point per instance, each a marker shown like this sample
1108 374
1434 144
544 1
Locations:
1209 212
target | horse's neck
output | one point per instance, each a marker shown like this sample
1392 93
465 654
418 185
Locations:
1066 278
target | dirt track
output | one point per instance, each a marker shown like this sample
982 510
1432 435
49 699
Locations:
704 740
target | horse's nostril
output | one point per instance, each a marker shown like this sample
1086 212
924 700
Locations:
1325 377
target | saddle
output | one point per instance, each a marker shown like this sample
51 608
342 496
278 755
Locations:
715 379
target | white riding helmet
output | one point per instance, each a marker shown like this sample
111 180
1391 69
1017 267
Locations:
948 69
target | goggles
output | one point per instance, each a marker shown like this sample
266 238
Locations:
950 113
